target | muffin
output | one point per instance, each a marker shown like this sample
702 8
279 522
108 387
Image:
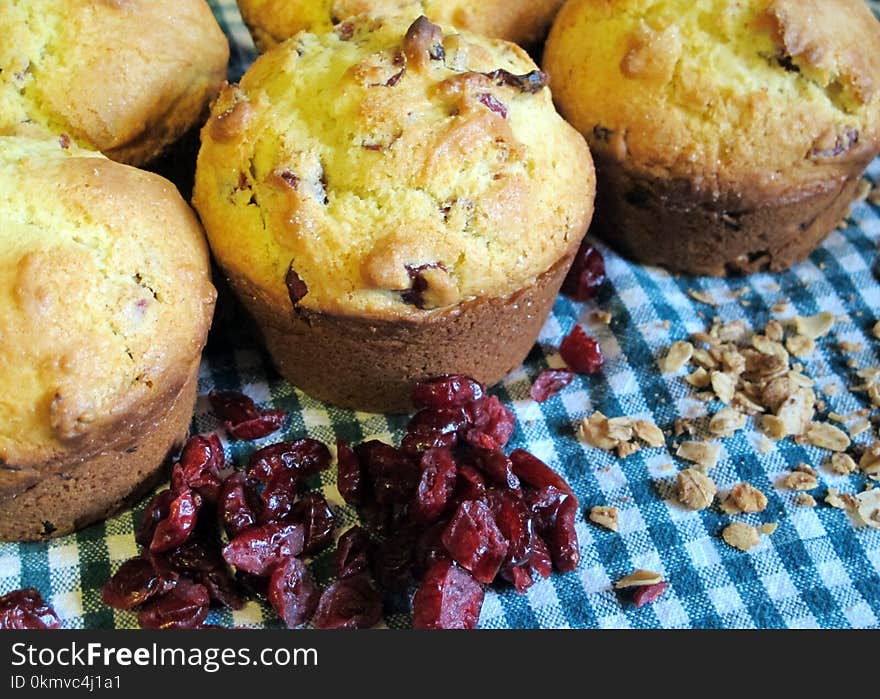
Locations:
729 136
392 203
126 77
105 303
520 21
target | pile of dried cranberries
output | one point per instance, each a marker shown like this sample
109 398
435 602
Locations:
448 511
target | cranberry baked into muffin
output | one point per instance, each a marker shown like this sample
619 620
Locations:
729 136
126 77
105 303
520 21
392 203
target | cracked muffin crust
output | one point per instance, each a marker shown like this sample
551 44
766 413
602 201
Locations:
520 21
391 203
126 77
106 302
729 137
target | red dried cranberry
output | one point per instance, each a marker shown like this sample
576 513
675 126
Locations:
519 576
184 607
581 352
540 559
489 101
470 485
278 497
133 584
544 504
172 531
447 392
474 540
536 473
296 287
238 505
350 479
415 443
154 513
648 593
515 522
257 550
549 383
313 512
199 467
352 603
480 440
395 475
222 587
196 556
448 598
586 275
430 548
293 593
564 548
393 565
496 467
438 421
494 419
304 456
352 553
241 416
25 609
439 474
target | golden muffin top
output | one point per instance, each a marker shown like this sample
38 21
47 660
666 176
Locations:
521 21
119 76
766 94
392 169
105 299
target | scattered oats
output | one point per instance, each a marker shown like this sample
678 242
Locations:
876 330
638 578
805 500
699 378
682 426
605 517
625 449
701 338
703 454
741 536
826 436
843 464
869 507
830 389
764 446
815 326
694 489
680 353
774 331
852 363
767 346
779 307
603 317
821 405
869 464
860 427
733 362
798 480
842 501
702 297
726 422
620 429
705 359
649 433
834 417
800 346
705 396
744 497
850 347
797 411
732 332
769 528
746 404
594 431
773 427
666 324
724 386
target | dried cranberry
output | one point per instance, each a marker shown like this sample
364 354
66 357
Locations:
184 607
350 479
154 513
496 467
450 391
474 540
296 287
586 275
172 531
480 440
544 504
491 103
564 548
306 457
293 593
494 419
222 587
393 564
515 522
540 560
241 416
133 584
648 593
278 497
519 576
352 603
313 512
395 475
536 473
238 505
439 474
429 547
352 553
470 485
549 383
581 352
448 598
415 443
257 550
196 556
25 609
438 421
530 83
199 467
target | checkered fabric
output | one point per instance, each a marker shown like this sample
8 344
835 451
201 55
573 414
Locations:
817 570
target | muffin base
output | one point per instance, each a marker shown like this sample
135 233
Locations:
99 486
372 364
660 222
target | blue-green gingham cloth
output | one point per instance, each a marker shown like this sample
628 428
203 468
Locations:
816 570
